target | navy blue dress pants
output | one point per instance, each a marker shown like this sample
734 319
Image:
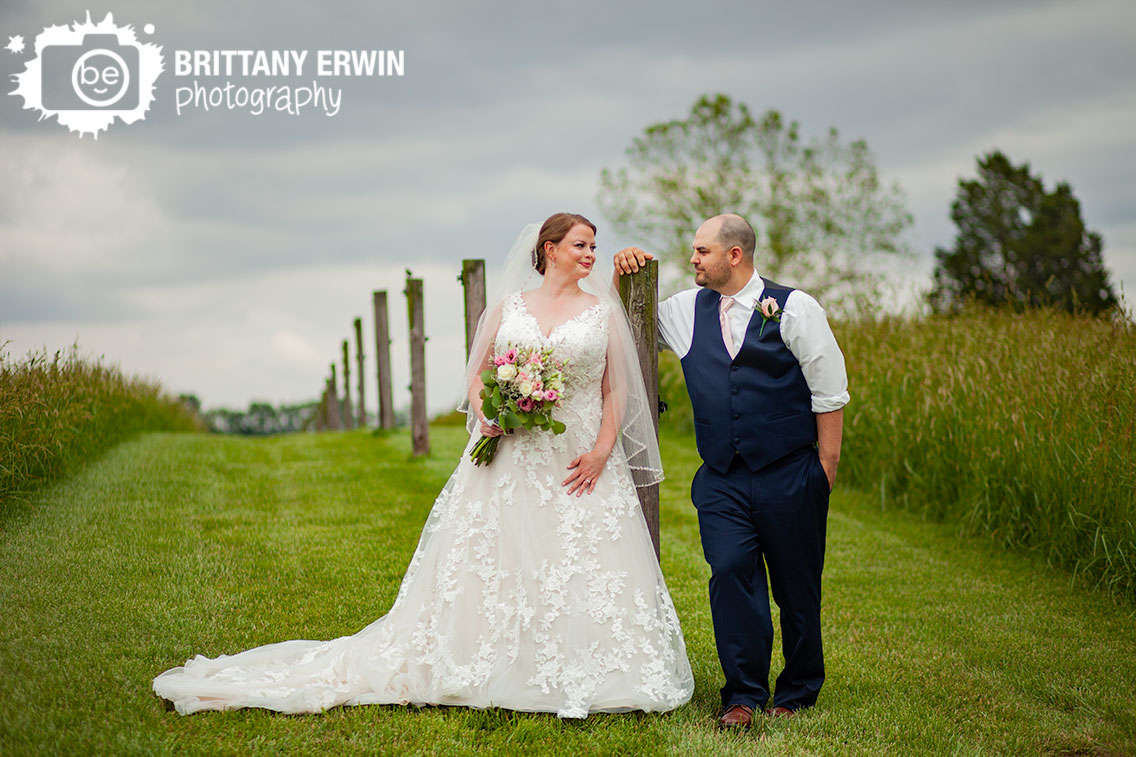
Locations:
773 519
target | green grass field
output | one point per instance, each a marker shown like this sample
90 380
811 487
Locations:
58 411
176 544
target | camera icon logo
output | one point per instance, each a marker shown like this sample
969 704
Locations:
90 74
96 73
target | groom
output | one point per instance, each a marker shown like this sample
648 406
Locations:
767 384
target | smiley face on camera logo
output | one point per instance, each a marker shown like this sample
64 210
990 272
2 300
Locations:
89 74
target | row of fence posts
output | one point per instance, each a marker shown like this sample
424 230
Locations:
638 291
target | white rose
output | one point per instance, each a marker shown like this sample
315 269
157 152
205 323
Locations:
525 388
506 372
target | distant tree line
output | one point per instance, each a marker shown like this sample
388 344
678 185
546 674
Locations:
261 417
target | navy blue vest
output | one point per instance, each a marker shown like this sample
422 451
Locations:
757 405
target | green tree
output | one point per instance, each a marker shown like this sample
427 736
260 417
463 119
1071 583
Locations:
192 402
263 418
1019 245
823 217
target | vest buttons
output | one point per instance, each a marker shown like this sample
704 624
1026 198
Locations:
733 367
737 416
734 390
737 440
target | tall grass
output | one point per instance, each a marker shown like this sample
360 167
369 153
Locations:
1015 425
177 544
57 411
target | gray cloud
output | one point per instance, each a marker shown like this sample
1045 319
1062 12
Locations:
508 111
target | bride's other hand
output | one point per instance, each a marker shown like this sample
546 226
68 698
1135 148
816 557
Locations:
489 429
630 260
586 468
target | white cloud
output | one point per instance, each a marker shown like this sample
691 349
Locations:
228 255
68 210
270 337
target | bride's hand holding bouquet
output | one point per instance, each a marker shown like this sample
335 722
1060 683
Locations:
520 391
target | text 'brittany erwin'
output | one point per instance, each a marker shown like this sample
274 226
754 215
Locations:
288 62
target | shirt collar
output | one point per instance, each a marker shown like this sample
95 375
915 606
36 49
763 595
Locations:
751 292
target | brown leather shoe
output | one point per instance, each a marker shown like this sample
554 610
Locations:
737 716
780 712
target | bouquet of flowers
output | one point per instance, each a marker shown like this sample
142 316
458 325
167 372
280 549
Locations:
520 391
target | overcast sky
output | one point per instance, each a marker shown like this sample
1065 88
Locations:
226 254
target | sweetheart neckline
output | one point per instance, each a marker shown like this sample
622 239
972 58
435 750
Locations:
540 330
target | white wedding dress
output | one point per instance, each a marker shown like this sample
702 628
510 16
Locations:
517 596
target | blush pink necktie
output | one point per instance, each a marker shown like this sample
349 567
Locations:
727 338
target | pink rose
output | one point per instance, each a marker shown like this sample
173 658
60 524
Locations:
551 395
769 307
511 356
525 404
499 361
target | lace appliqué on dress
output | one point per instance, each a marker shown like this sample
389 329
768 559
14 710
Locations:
518 595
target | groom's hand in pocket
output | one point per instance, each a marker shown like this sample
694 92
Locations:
830 430
830 473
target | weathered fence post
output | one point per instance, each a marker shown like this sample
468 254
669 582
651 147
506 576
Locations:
473 279
383 358
321 410
419 429
333 418
361 411
640 294
348 416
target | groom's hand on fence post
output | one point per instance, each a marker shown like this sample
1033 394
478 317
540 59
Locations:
629 260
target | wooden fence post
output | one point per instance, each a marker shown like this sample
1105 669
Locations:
383 359
348 415
333 417
419 428
640 294
473 279
321 411
361 411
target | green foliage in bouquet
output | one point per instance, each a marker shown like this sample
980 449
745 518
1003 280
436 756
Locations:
520 392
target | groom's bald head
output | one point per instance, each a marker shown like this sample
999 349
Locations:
734 231
715 263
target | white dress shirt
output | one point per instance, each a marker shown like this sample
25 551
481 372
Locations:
804 329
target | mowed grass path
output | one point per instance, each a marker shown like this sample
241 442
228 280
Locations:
178 544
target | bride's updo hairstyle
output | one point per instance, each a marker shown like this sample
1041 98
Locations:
554 230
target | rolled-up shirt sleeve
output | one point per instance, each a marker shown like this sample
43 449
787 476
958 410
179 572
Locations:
676 322
805 330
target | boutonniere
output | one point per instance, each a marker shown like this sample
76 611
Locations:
769 312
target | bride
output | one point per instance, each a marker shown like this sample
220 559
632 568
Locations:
534 585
